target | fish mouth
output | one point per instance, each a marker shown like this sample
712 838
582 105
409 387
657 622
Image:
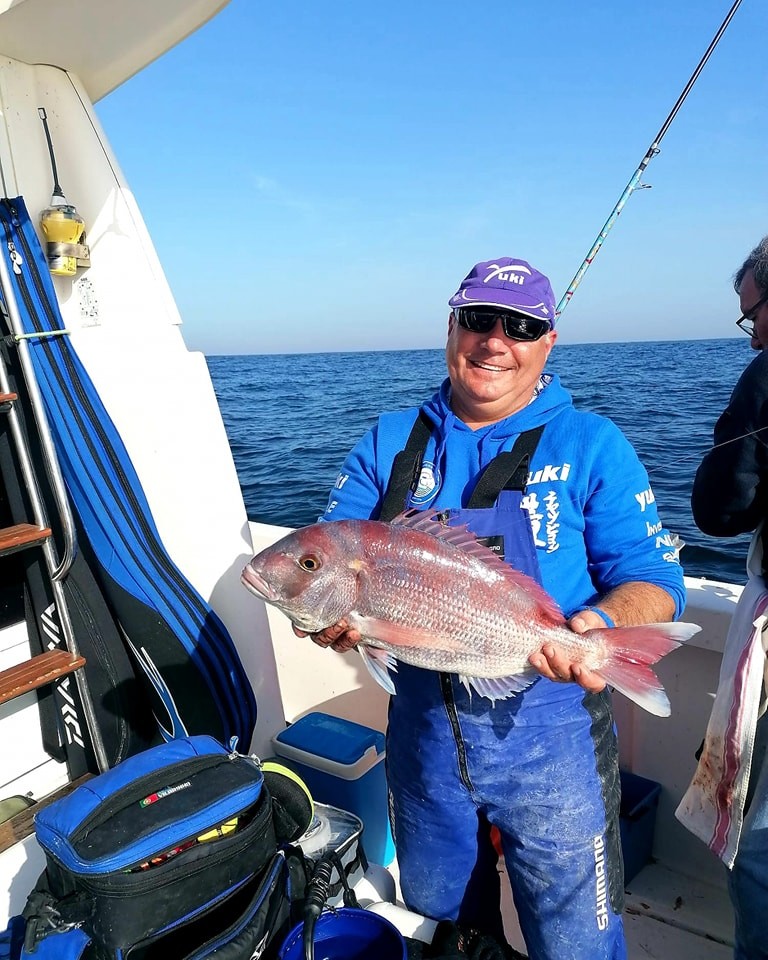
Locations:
257 584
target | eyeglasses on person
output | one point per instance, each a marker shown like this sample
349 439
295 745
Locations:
516 326
746 321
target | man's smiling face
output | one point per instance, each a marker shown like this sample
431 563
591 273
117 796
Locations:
491 375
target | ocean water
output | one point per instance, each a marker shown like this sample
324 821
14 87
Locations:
291 419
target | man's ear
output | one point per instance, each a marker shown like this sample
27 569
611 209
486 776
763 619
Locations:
451 322
551 340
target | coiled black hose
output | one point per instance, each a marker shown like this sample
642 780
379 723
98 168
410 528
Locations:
317 893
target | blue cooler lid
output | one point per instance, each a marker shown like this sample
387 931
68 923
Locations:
341 741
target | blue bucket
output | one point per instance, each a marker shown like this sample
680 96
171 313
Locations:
348 934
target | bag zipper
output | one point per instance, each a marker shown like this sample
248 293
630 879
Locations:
121 884
62 848
138 789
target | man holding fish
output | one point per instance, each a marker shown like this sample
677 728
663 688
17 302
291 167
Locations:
486 616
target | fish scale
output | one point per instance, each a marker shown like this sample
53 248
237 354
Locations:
480 639
429 594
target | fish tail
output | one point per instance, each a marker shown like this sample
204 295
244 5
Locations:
632 651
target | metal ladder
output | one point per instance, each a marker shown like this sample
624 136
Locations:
45 668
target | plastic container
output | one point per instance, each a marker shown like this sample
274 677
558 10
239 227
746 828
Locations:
348 934
331 829
342 763
637 820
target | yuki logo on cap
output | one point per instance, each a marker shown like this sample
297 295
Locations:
510 274
510 284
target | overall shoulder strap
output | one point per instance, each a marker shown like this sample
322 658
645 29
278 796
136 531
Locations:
406 468
507 471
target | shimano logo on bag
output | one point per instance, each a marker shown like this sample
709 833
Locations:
165 792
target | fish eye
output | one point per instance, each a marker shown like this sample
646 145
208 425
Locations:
309 562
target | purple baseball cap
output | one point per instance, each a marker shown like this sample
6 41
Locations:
510 284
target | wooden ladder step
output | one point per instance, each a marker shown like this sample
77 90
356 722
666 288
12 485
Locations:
23 824
36 672
21 535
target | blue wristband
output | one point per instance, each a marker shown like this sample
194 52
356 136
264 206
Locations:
601 613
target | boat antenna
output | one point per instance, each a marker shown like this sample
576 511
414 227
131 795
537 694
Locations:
57 191
634 183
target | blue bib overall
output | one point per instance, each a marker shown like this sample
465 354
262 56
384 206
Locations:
541 766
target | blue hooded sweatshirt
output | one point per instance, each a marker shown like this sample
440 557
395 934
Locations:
592 510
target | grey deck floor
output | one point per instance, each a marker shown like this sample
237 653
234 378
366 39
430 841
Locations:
667 916
671 916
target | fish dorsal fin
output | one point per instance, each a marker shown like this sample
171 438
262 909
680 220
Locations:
429 521
459 535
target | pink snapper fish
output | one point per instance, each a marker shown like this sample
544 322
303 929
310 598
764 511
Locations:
430 595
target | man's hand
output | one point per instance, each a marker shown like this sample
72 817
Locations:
554 663
339 636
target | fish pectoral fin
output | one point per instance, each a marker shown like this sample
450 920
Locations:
499 688
379 663
395 634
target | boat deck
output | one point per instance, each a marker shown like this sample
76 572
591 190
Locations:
672 916
667 916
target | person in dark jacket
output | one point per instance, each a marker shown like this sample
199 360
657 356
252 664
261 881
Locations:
727 802
730 492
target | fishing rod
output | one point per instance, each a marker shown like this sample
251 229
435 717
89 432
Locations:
634 183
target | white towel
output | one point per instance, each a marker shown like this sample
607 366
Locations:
713 805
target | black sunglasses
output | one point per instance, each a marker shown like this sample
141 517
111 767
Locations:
746 321
516 326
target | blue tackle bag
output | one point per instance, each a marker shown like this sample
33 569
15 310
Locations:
170 854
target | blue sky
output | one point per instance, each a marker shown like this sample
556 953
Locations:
320 176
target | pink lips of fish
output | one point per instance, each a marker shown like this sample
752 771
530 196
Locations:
429 594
